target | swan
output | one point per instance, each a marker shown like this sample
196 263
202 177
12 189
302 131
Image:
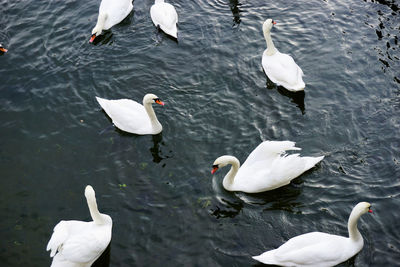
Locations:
2 49
266 168
280 68
132 117
319 249
111 12
77 243
164 15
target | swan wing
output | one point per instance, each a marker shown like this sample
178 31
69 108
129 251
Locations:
60 234
126 114
116 11
164 15
283 70
267 151
86 242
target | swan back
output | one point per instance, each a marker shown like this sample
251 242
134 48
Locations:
164 15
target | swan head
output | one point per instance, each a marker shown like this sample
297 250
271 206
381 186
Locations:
89 193
362 207
267 26
152 98
222 162
2 49
99 26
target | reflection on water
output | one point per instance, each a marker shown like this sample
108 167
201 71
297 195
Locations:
297 97
155 150
230 209
234 6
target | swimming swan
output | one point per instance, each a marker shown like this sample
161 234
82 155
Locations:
266 168
78 243
280 68
164 15
318 249
132 117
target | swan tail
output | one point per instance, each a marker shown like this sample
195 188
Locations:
60 234
311 162
279 147
266 257
102 102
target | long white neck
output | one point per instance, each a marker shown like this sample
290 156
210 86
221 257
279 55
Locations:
230 176
101 20
270 45
152 115
354 234
94 211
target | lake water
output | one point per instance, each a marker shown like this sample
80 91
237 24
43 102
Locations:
167 209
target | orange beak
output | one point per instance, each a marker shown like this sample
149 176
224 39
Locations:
369 210
2 49
274 22
215 168
92 38
158 101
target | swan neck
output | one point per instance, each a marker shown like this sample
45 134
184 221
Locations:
354 234
152 115
270 45
94 211
230 176
101 20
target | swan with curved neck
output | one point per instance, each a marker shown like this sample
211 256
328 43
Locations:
132 117
317 248
280 68
164 16
78 243
111 12
266 168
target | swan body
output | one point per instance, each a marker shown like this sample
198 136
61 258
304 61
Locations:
111 12
164 15
78 243
132 117
280 68
266 168
318 249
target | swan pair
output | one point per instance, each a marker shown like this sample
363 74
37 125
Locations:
78 243
112 12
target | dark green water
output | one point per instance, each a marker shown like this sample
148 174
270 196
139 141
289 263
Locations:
55 139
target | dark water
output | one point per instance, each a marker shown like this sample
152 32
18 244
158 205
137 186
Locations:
55 139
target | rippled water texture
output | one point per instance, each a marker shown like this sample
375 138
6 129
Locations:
168 210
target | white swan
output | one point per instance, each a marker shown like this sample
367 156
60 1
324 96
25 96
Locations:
111 12
2 49
164 15
280 68
319 249
77 243
133 117
265 168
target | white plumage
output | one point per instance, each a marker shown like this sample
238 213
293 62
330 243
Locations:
78 243
164 15
111 12
266 168
280 68
131 116
318 249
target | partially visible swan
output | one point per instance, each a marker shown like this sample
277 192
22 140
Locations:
132 117
266 168
2 49
280 68
78 243
111 12
164 15
318 249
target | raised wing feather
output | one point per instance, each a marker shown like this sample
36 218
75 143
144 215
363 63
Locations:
116 11
60 234
164 15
